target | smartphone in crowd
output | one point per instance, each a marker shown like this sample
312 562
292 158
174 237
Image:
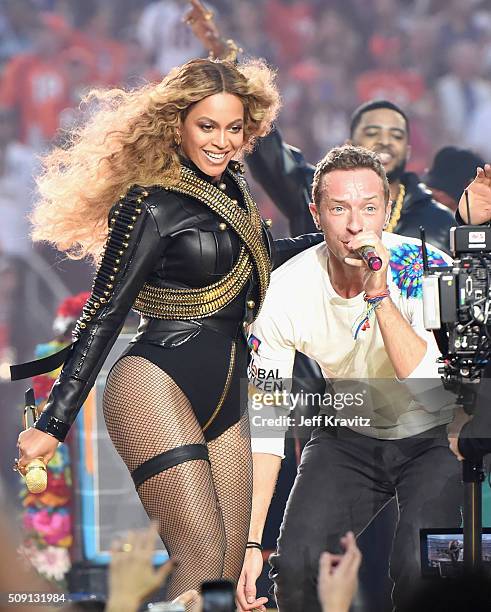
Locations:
218 596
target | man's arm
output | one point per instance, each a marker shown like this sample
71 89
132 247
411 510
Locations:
410 348
269 372
286 177
405 348
266 468
286 248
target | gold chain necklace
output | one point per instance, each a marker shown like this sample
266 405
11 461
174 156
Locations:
395 213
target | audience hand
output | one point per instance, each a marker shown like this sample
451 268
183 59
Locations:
338 576
453 431
479 198
132 577
192 599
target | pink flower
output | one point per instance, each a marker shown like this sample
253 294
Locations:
53 527
27 521
41 521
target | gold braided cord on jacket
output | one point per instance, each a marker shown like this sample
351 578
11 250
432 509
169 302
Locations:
171 303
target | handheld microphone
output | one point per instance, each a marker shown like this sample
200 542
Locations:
370 257
36 476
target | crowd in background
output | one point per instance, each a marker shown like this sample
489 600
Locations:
432 57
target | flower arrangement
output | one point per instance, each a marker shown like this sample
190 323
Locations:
47 518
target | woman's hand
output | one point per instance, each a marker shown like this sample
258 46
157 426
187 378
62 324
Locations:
479 198
35 444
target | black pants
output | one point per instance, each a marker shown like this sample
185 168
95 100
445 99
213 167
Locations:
343 481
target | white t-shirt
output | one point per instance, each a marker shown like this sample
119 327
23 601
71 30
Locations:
302 312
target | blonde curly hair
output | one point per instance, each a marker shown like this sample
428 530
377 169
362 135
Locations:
130 139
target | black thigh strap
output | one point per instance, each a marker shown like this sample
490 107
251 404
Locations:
171 458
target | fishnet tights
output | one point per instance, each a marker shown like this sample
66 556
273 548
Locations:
203 513
231 468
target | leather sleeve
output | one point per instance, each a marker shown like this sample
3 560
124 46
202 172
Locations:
286 248
435 219
437 228
286 177
131 251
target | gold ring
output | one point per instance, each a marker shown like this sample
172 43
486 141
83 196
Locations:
127 547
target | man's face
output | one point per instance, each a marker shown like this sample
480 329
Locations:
384 131
352 201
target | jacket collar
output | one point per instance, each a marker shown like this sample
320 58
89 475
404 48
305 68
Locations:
232 165
416 191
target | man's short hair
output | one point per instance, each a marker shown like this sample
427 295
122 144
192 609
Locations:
374 105
348 157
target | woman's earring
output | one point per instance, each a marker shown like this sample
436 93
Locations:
177 139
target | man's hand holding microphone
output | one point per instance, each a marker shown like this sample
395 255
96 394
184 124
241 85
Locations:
370 253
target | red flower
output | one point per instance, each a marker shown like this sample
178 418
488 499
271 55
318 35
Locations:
57 485
72 306
42 386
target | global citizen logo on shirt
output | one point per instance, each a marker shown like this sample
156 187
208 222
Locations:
253 343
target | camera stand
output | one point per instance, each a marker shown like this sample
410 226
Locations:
472 476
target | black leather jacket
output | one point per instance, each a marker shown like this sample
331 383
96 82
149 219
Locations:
287 178
172 240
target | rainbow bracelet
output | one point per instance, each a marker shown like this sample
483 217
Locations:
363 321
